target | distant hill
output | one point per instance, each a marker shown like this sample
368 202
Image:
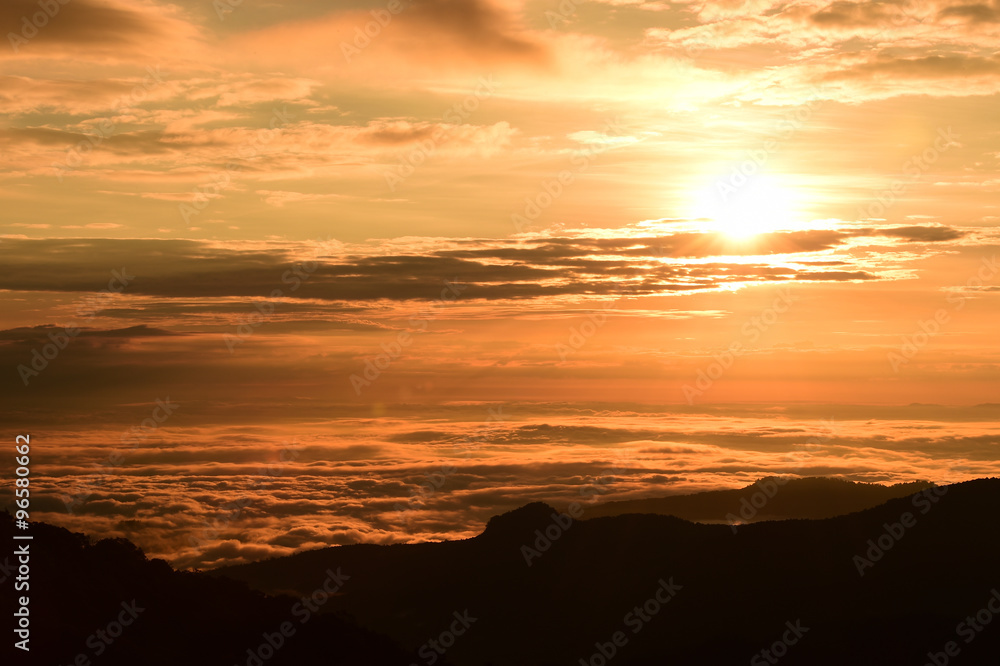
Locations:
899 583
82 595
928 562
771 498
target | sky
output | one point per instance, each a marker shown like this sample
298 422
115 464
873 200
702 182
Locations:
266 268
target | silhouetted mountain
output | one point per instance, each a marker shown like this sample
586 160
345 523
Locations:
914 577
111 605
887 585
814 497
514 523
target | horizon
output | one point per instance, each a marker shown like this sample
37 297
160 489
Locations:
734 519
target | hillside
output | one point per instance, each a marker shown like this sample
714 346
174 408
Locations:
106 604
941 563
771 498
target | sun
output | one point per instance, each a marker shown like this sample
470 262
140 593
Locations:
742 207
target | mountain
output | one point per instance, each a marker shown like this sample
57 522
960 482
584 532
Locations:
915 580
106 604
813 497
887 585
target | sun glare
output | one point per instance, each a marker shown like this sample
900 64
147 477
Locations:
743 208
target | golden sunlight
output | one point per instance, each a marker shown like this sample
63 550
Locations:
300 297
740 207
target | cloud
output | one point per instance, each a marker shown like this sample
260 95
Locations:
425 36
480 27
852 14
241 493
107 31
808 48
578 265
644 308
263 90
278 198
82 22
924 234
24 94
977 13
926 67
185 153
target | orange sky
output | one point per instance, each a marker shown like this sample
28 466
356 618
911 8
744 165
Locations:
287 214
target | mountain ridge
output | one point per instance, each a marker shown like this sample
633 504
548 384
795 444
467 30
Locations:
887 585
561 598
808 497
